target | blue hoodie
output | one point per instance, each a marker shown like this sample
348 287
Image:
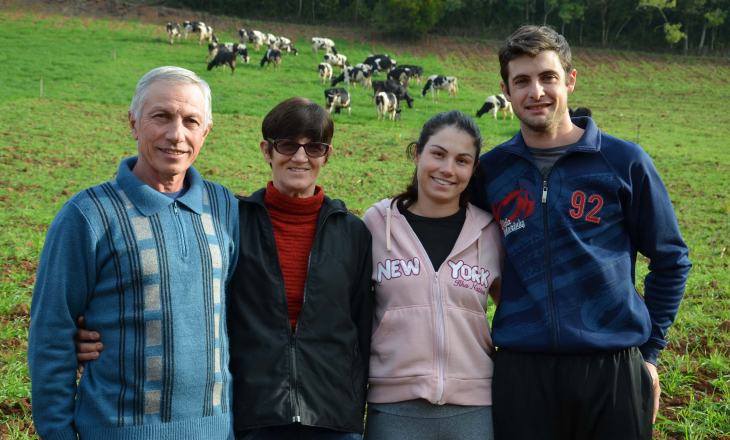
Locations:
568 285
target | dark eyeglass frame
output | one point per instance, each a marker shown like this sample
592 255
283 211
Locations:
312 149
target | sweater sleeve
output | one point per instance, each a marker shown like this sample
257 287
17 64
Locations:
362 298
64 283
654 231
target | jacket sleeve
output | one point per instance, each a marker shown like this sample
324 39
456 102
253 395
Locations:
362 298
64 283
654 231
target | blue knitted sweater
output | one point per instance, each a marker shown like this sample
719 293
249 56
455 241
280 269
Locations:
148 273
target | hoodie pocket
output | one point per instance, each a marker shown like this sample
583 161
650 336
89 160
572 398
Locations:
404 343
468 344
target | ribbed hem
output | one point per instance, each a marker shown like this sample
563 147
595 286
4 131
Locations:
471 392
65 434
205 428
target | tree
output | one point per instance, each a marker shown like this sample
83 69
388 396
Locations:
570 11
671 31
408 18
714 19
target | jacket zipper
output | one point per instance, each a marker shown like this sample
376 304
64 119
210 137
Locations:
441 330
547 261
180 229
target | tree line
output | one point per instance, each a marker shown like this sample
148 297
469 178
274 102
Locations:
692 27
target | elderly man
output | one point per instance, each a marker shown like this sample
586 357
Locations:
145 258
578 345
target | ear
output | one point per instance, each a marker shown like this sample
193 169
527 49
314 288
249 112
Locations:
207 130
264 145
571 80
133 125
416 156
505 92
327 156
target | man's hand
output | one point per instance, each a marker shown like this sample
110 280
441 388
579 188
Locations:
87 345
657 389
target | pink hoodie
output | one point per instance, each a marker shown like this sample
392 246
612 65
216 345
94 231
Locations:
431 337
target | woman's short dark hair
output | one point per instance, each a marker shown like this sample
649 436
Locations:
532 40
459 121
298 118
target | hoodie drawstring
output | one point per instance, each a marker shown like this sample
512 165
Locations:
479 250
387 228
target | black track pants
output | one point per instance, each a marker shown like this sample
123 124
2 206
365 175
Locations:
607 396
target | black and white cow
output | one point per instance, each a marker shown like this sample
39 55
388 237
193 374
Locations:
255 37
323 43
399 90
387 103
325 72
222 58
438 82
380 63
401 74
191 27
337 98
338 60
416 72
212 51
206 33
580 111
353 75
272 56
494 104
239 49
173 30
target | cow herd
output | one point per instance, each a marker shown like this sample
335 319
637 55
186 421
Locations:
388 95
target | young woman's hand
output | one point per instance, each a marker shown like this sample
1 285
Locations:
87 344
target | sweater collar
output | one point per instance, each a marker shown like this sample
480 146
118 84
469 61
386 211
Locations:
590 142
278 201
150 201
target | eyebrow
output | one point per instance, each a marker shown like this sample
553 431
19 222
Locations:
544 72
460 154
161 108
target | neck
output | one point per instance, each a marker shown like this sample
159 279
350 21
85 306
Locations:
429 209
154 180
295 193
565 133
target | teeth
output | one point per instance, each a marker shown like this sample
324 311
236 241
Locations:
173 152
442 182
298 169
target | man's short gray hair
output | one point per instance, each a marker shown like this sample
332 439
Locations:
174 75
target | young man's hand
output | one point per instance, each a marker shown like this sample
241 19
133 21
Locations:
87 344
657 389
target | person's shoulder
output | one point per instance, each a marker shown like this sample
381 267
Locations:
219 190
611 145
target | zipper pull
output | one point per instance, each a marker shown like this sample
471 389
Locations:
174 207
544 191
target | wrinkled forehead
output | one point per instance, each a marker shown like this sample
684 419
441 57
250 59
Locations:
175 95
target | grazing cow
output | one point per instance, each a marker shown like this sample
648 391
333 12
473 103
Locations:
438 82
336 60
353 75
222 58
325 72
580 111
401 74
173 30
206 33
191 26
323 43
337 98
239 49
380 63
387 103
212 51
416 72
399 90
495 104
272 56
255 37
283 43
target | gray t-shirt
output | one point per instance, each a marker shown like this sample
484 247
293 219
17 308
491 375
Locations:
545 158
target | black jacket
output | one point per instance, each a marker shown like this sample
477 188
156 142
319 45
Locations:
319 375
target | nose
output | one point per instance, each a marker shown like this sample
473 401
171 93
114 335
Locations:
300 156
175 131
536 90
447 168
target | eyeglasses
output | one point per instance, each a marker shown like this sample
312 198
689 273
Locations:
288 148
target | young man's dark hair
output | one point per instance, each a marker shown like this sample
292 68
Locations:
532 40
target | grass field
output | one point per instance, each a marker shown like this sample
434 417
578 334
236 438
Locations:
75 136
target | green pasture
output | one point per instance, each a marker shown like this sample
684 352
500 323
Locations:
75 136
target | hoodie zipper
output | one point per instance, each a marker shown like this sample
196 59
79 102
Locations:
551 299
181 231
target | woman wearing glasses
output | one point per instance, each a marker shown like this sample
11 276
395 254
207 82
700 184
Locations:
300 301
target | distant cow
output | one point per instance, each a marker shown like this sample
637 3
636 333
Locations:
222 58
238 49
173 30
580 111
191 26
337 98
494 104
401 74
438 82
325 72
252 36
380 63
338 60
387 103
353 75
399 90
212 51
206 33
323 43
272 56
415 72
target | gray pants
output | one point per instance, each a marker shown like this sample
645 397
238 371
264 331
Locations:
421 420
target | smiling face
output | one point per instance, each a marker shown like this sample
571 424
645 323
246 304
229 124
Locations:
444 169
169 133
294 175
538 91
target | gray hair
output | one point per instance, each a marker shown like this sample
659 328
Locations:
174 75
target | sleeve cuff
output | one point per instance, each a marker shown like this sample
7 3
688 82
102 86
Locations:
650 353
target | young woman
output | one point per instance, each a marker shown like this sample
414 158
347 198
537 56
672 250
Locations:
435 259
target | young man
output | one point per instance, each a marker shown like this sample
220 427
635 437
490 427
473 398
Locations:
577 344
145 258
